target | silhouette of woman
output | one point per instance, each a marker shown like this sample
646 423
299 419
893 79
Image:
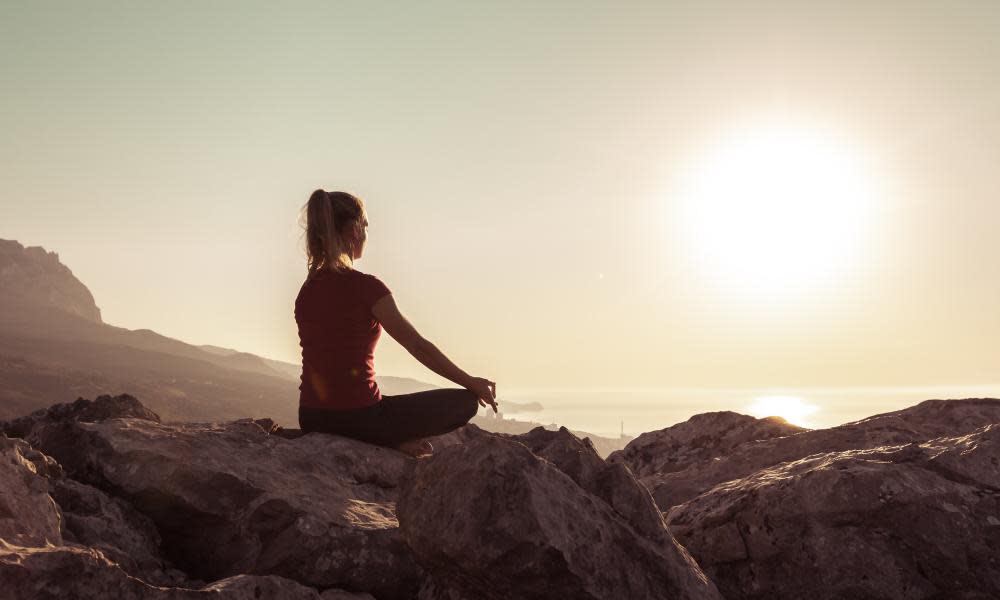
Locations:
340 313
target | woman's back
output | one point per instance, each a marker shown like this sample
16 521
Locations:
338 331
338 335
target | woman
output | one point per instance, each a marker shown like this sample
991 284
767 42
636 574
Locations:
340 313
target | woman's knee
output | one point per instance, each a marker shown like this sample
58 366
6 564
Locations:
468 404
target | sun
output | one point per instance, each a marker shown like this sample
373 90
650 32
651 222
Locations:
789 408
777 207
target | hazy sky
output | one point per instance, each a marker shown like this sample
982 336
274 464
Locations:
536 176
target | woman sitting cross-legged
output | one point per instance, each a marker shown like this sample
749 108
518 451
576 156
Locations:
340 313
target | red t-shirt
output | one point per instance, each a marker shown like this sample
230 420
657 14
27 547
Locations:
338 333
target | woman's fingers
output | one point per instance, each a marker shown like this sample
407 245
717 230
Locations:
487 393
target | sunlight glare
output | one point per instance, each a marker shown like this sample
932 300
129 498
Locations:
777 207
789 408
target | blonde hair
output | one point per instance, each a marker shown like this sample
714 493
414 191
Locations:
327 216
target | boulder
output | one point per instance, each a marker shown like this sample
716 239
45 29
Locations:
906 521
490 519
459 436
254 587
40 506
682 479
611 482
58 573
901 505
102 407
28 515
230 498
700 438
95 519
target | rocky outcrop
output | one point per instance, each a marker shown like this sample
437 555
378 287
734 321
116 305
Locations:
40 506
612 483
702 437
58 573
492 519
60 538
231 499
103 499
28 515
103 407
125 536
138 508
33 277
693 466
906 521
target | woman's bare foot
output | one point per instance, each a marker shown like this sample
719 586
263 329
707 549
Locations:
416 448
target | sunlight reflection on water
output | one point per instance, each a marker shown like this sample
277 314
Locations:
607 411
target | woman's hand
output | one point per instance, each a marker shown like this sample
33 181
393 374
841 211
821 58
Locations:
485 390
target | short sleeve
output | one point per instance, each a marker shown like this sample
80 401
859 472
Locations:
374 290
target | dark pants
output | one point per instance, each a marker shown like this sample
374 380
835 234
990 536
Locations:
396 419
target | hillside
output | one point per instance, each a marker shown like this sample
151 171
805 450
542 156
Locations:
55 347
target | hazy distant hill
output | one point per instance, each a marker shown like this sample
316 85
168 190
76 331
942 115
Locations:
35 277
55 347
284 368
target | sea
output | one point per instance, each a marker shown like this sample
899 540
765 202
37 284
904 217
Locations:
612 412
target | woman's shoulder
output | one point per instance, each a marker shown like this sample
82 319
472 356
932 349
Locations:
374 287
351 273
367 276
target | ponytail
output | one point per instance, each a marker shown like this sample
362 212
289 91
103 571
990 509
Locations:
327 216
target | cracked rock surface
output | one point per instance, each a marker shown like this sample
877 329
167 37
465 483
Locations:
904 521
103 499
683 461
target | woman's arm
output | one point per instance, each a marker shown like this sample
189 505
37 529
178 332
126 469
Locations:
387 313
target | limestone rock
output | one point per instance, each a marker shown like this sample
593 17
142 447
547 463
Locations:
57 572
904 521
610 482
333 594
231 498
491 520
102 407
702 437
927 420
93 518
255 587
459 436
60 573
900 505
39 506
28 515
